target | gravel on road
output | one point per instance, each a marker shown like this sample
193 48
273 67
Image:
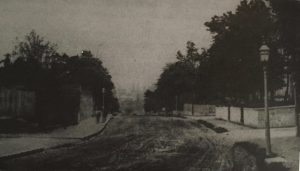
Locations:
136 143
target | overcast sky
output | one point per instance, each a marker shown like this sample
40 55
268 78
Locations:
134 38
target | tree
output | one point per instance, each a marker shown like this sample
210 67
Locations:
177 81
150 101
57 79
234 55
34 47
174 81
287 13
88 71
232 61
38 66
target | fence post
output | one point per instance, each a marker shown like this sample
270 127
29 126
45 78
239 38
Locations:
229 113
242 115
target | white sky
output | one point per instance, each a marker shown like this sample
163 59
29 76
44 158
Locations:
135 38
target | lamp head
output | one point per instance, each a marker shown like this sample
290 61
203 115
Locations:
264 52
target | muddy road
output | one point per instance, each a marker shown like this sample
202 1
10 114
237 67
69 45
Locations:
135 143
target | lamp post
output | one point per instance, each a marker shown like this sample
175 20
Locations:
196 64
103 92
264 57
296 111
103 104
176 104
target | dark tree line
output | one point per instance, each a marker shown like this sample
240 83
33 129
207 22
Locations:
287 14
34 64
230 70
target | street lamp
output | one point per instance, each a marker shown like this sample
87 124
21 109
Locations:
176 104
296 112
103 93
264 57
103 104
196 64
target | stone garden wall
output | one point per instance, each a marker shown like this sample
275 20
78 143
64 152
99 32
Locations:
281 116
200 110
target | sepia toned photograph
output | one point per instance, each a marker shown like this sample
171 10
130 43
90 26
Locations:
149 85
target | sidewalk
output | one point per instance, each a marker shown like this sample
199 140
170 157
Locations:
239 132
243 133
283 140
13 145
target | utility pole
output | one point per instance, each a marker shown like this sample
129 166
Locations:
103 104
296 111
267 119
193 103
296 61
176 104
196 64
264 55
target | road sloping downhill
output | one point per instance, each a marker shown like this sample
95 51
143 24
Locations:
136 143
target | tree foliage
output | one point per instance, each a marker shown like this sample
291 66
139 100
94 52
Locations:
288 22
176 81
38 66
230 69
34 47
287 14
234 53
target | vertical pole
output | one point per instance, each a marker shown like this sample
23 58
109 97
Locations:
103 91
229 112
194 87
296 112
193 104
296 85
193 96
242 114
267 118
103 105
176 105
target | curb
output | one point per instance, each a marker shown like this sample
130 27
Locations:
39 150
276 163
263 162
22 154
97 133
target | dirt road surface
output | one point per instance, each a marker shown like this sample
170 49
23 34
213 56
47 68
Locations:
140 143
